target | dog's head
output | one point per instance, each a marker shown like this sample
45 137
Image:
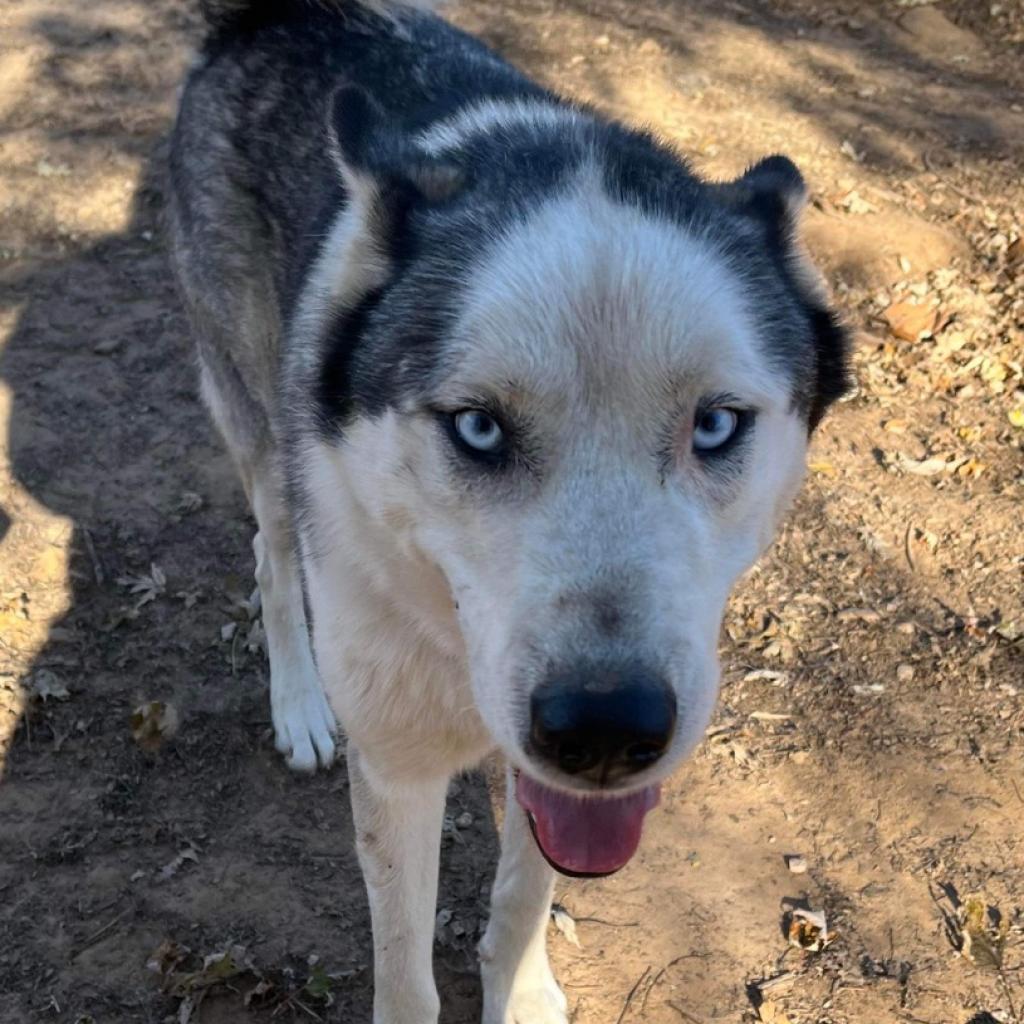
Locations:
578 384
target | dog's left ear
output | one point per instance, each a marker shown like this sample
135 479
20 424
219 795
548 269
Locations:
371 153
774 194
773 190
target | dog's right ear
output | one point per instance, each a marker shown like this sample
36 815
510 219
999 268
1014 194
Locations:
371 154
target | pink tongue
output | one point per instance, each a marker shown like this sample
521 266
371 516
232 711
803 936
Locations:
594 836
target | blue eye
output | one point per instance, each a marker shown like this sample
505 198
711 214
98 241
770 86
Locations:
478 430
714 427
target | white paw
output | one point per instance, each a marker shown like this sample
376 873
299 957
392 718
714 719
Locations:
541 1006
535 998
304 725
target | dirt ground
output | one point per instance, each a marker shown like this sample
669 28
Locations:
872 716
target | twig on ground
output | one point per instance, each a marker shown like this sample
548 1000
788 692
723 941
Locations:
668 967
97 568
688 1017
632 992
100 934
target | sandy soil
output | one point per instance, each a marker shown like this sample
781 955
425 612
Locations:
872 718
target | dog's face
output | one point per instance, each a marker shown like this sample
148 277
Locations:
602 441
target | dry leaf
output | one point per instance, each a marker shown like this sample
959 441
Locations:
823 468
217 968
166 957
808 930
983 933
767 675
771 1014
188 855
928 467
188 503
153 724
44 685
565 923
896 426
910 322
147 587
1016 417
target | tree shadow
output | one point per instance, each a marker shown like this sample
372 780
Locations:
849 70
105 435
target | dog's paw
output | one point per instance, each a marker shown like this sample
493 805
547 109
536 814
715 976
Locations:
304 725
540 1006
534 999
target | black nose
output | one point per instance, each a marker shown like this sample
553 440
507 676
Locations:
602 723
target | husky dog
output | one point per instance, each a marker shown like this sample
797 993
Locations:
515 398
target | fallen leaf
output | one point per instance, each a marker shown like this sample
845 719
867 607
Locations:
147 587
188 503
189 855
565 923
808 929
910 322
855 203
1016 417
769 1013
869 615
153 724
983 933
217 968
767 675
318 985
823 468
263 993
44 685
166 957
928 467
971 468
186 1008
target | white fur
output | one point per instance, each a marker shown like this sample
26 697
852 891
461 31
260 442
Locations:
303 722
432 601
488 116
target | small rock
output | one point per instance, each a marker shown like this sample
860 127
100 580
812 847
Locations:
904 673
106 346
464 820
800 757
796 864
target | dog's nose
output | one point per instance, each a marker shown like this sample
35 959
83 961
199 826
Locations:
602 724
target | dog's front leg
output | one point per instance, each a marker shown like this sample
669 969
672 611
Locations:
398 839
519 987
